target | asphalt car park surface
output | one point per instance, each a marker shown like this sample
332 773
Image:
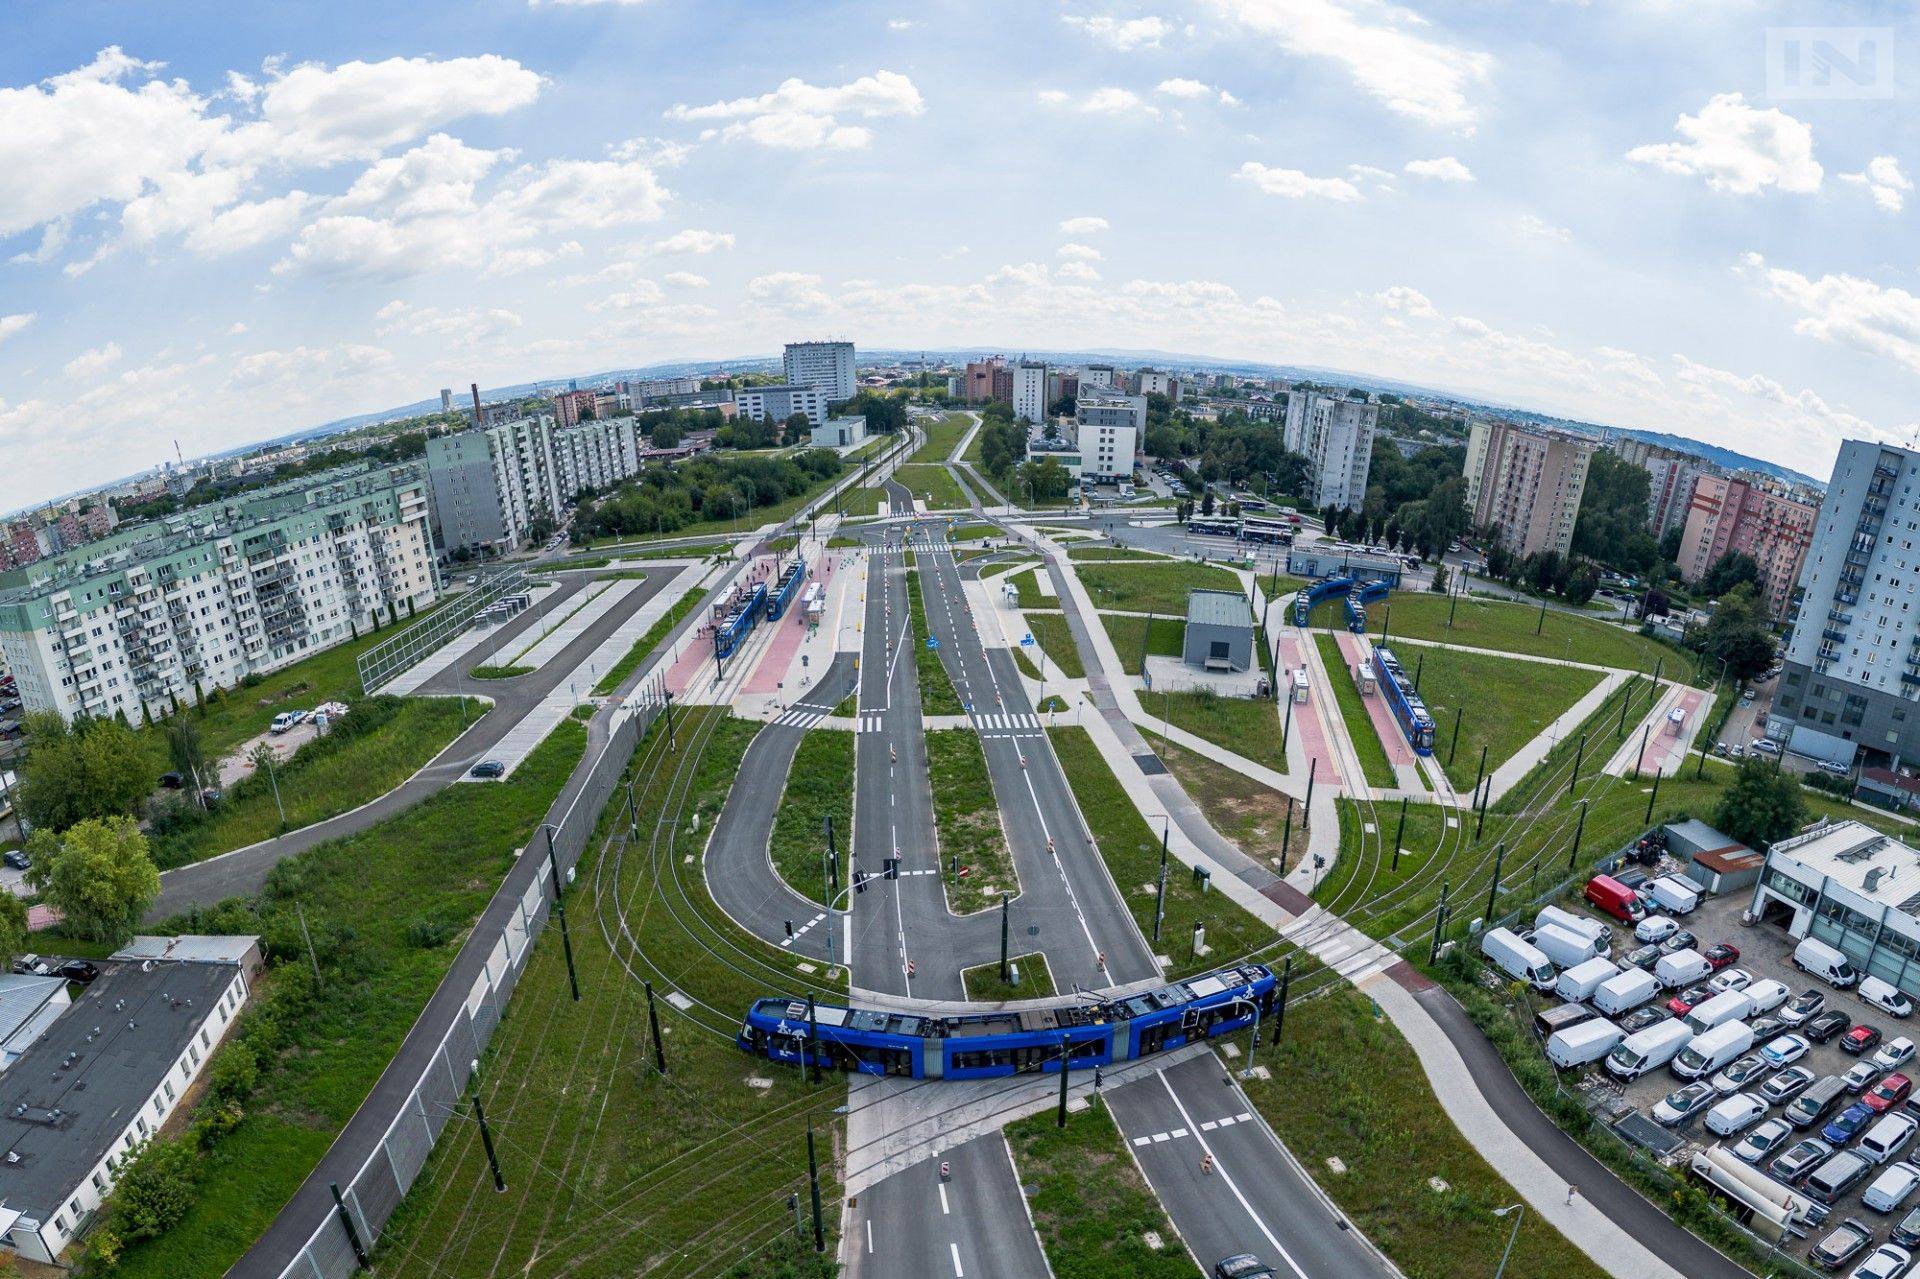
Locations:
1766 953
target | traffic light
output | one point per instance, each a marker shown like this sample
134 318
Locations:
892 867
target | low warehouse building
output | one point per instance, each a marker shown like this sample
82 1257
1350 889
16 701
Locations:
1714 860
1219 635
1848 885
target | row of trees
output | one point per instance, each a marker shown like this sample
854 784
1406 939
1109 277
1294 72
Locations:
665 499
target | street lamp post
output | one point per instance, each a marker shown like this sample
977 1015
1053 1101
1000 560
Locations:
1519 1212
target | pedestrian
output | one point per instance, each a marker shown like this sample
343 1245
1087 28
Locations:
1572 1192
1206 1164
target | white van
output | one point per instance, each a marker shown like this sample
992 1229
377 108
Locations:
1648 1049
1578 1045
1888 1137
1728 1005
1885 996
1825 962
1674 895
1767 995
1517 959
1581 924
1578 983
1628 990
1565 948
1707 1053
1682 968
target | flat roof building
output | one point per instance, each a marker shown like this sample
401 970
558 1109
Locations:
759 403
1848 885
1219 632
826 366
1335 434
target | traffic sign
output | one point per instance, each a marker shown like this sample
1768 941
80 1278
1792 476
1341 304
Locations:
1026 641
932 642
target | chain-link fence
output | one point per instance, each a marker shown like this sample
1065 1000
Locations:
385 660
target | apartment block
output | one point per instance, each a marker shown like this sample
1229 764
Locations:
1752 516
758 403
1671 476
1100 375
1154 382
827 366
978 382
571 406
1109 425
202 599
489 486
1030 391
1335 434
1529 485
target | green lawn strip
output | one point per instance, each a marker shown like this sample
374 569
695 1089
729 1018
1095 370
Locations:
1365 869
387 909
1508 626
1248 726
1025 582
610 1166
631 660
819 785
1507 703
937 696
942 436
1102 552
1152 587
933 485
1090 1204
1344 1084
1055 638
378 745
849 705
1131 849
983 984
1252 815
968 821
973 533
1025 664
1353 709
499 672
1165 637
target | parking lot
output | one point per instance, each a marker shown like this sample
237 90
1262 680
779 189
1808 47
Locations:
1766 953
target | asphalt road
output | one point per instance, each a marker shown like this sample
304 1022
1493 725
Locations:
244 871
1255 1199
973 1225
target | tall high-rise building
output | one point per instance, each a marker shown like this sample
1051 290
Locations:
1030 391
825 365
446 400
1155 382
1671 475
1748 515
1852 670
1530 485
570 406
1109 424
977 383
1335 434
489 485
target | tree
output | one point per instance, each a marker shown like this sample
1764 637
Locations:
1439 586
1762 805
666 434
799 429
98 874
155 1189
184 753
13 928
1739 634
1733 569
1206 501
90 768
1612 524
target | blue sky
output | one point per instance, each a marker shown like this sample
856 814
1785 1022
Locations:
222 222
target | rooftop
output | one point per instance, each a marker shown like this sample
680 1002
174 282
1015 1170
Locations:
72 1094
1218 608
1876 867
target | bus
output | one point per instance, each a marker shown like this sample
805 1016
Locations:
1213 526
1277 531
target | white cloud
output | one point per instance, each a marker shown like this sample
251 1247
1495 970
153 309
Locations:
799 116
694 241
53 238
436 177
263 369
1085 251
1848 311
685 280
1106 100
1534 225
1077 271
1385 49
590 193
1444 169
566 4
1738 149
92 363
1884 179
1124 34
788 291
901 24
1406 301
1191 90
467 324
1083 226
12 324
1292 184
235 329
246 226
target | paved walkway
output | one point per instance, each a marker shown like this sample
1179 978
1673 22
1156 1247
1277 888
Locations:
410 680
1523 761
1666 747
1358 650
574 625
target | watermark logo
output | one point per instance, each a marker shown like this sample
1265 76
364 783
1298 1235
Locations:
1830 62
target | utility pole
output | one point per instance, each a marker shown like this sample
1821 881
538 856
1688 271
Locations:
1286 838
1625 702
833 863
813 1041
300 910
273 780
1145 635
653 1024
1160 896
1439 923
1493 889
1543 616
1458 713
1312 765
1481 823
1286 724
672 742
486 1139
1579 755
813 1177
1579 830
633 814
353 1232
1386 620
560 909
1479 774
1062 1121
1653 797
1004 977
1280 1013
1400 833
1642 756
1419 664
1453 602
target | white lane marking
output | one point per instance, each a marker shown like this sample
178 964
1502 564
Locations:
1208 1125
1160 1137
1220 1171
943 1200
1141 1141
958 1273
869 1236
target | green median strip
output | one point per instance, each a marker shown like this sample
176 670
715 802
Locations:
819 785
1031 979
937 696
1055 640
968 821
499 672
1353 709
617 674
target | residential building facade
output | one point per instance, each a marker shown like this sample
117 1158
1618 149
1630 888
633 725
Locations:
1154 382
1335 434
977 383
1748 515
758 403
827 366
1671 476
1530 486
1109 426
1030 391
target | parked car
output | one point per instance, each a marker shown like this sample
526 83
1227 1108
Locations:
1848 1124
1784 1051
1824 1026
31 965
1689 999
1242 1265
1644 958
1885 996
1682 1104
1720 954
1682 940
1804 1006
1889 1092
488 768
1786 1085
80 970
172 781
1801 1158
1862 1038
1891 1188
1861 1076
1884 1262
1762 1140
1740 1073
1907 1233
1842 1244
1765 1028
1655 928
1731 979
1736 1114
17 859
1894 1054
1638 1020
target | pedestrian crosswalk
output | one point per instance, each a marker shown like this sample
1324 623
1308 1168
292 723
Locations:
1206 1125
803 715
871 723
1002 720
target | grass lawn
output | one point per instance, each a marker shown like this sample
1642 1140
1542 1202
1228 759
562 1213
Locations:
327 776
937 695
819 785
935 486
1346 1085
1105 551
1152 587
1131 849
1508 626
631 661
1366 742
1248 726
1025 664
1358 877
983 982
1025 581
1507 703
1051 633
374 901
943 436
746 521
1090 1205
499 672
613 1169
968 821
1250 814
1164 637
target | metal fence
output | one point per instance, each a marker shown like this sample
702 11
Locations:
385 660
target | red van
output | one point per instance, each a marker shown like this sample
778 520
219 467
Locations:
1616 899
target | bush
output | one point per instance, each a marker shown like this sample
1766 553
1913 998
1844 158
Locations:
155 1189
424 933
233 1072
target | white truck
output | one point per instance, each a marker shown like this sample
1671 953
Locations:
1624 992
1518 960
1578 983
1588 1041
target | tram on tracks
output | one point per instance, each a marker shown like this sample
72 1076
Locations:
1012 1041
1325 589
738 618
786 589
1409 712
1269 530
1363 594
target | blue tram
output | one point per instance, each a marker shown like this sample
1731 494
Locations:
787 589
1408 710
739 619
1325 589
1363 594
1013 1041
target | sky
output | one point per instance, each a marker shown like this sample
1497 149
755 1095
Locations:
221 223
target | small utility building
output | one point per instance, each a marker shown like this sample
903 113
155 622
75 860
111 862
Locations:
1219 635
